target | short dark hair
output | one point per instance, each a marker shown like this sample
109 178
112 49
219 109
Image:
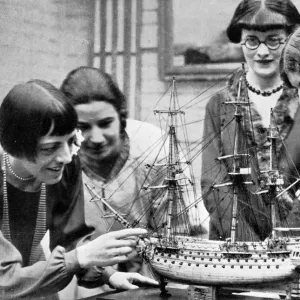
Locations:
262 15
28 112
86 84
290 57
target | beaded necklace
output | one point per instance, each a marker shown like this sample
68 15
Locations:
13 172
263 93
40 227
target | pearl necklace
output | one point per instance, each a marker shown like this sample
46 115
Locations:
40 227
13 172
263 93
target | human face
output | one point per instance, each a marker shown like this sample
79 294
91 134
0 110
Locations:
53 153
262 61
100 126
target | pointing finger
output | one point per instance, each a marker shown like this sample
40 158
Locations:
125 233
122 243
121 251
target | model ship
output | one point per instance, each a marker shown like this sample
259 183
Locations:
177 256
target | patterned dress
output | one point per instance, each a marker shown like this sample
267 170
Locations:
255 209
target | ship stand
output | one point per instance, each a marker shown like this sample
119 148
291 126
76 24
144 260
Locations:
164 294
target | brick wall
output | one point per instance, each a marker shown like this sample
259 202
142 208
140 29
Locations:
42 39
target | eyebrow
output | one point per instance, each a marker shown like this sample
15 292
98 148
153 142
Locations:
273 35
54 142
104 118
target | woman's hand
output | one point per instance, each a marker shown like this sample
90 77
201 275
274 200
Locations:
110 248
125 280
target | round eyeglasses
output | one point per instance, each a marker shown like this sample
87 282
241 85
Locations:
252 43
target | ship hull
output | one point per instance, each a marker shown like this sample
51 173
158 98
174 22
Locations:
205 262
225 272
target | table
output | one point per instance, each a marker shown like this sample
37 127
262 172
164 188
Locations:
186 292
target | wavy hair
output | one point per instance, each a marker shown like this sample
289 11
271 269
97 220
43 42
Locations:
86 84
290 57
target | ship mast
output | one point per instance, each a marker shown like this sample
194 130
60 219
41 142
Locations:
173 166
237 171
238 117
96 197
272 138
236 164
171 172
275 180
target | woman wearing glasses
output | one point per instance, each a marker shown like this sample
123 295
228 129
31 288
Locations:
261 27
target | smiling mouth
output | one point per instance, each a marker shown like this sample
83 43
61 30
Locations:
264 61
95 151
56 170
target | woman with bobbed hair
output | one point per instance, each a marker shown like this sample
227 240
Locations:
262 15
41 189
261 27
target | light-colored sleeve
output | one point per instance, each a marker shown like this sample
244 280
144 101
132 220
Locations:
68 230
41 278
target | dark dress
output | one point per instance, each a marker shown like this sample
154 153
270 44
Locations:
254 222
66 224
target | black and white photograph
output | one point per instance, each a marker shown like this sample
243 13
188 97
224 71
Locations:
150 149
